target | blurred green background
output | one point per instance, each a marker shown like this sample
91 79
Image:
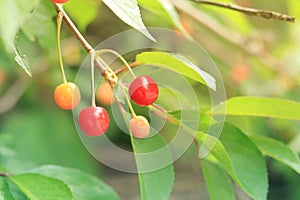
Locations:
256 57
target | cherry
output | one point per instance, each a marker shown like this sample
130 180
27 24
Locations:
93 120
105 94
139 127
240 73
143 90
67 96
59 1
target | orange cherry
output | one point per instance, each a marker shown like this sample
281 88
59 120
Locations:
105 94
67 96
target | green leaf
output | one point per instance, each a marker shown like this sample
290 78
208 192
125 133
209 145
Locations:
150 154
218 183
13 14
179 64
82 185
240 157
165 10
40 27
204 121
129 12
82 12
40 187
277 150
22 60
5 193
260 107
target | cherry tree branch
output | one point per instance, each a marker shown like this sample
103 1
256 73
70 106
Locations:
12 96
78 35
245 44
250 11
3 174
89 49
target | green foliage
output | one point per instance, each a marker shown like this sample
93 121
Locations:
46 182
179 64
82 185
165 10
82 12
36 186
30 140
260 107
240 157
18 11
22 60
218 183
129 12
4 190
39 25
277 150
150 154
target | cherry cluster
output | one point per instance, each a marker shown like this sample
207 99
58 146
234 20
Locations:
94 120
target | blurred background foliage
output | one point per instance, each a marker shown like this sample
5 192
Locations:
256 57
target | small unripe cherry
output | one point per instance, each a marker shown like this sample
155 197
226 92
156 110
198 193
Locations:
67 96
139 127
59 1
143 91
105 94
93 120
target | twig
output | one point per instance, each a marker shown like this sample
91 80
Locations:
3 174
250 11
12 96
228 34
89 49
132 65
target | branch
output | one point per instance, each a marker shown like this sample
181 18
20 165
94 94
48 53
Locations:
3 174
228 34
89 49
12 96
250 11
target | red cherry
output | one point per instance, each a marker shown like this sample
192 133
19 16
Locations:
93 121
67 96
143 90
139 127
59 1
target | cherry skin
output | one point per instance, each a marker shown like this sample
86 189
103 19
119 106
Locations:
139 127
59 1
105 94
240 73
143 90
67 96
93 121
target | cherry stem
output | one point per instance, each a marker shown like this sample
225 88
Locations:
123 112
132 65
93 98
59 22
128 101
102 51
